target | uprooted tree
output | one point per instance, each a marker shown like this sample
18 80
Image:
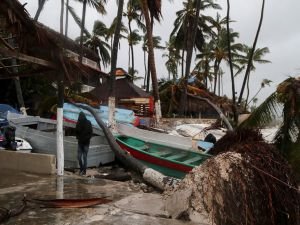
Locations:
247 182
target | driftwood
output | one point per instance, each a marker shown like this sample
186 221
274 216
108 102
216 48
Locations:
151 176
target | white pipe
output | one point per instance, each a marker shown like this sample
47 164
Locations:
60 143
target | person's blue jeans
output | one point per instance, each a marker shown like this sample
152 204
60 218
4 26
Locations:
82 156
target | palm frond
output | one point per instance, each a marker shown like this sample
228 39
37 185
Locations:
263 114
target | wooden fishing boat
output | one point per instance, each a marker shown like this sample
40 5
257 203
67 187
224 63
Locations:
168 160
41 134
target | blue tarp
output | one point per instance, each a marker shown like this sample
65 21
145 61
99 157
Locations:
4 108
71 112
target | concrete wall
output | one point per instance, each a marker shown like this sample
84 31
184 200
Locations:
27 162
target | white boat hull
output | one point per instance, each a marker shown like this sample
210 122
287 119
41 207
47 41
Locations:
41 134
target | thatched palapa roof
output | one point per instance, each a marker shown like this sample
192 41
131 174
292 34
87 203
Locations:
29 48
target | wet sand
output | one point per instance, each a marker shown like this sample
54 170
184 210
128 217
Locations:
130 205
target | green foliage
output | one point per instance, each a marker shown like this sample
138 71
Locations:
287 100
263 114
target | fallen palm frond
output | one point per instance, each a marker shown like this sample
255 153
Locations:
263 114
68 203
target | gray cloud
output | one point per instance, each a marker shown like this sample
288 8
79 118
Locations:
279 32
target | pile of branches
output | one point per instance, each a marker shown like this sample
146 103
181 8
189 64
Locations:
260 188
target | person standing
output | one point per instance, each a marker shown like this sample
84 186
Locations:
84 133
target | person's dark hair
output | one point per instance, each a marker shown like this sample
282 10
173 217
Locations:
81 116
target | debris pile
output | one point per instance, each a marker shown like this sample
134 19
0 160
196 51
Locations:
248 182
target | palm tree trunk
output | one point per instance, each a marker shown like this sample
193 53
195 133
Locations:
148 77
81 30
114 59
248 92
182 63
39 10
145 66
128 65
67 19
131 48
151 176
151 59
62 17
218 110
59 114
114 55
191 28
234 109
19 93
216 69
251 53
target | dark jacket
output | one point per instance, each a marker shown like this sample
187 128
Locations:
84 129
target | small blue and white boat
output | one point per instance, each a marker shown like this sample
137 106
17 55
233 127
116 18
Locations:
124 116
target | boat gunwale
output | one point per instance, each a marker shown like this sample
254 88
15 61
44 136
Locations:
157 156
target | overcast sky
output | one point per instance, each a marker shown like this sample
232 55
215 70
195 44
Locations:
280 32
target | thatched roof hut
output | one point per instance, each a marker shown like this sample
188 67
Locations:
36 49
125 88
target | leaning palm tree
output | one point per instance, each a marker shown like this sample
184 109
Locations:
285 99
257 57
248 69
263 84
41 4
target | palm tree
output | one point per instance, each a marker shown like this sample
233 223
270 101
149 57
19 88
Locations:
156 45
133 13
191 24
67 19
262 85
41 4
114 58
111 31
96 42
286 99
203 66
218 51
173 57
257 57
155 11
204 25
247 73
60 103
99 6
234 108
133 39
